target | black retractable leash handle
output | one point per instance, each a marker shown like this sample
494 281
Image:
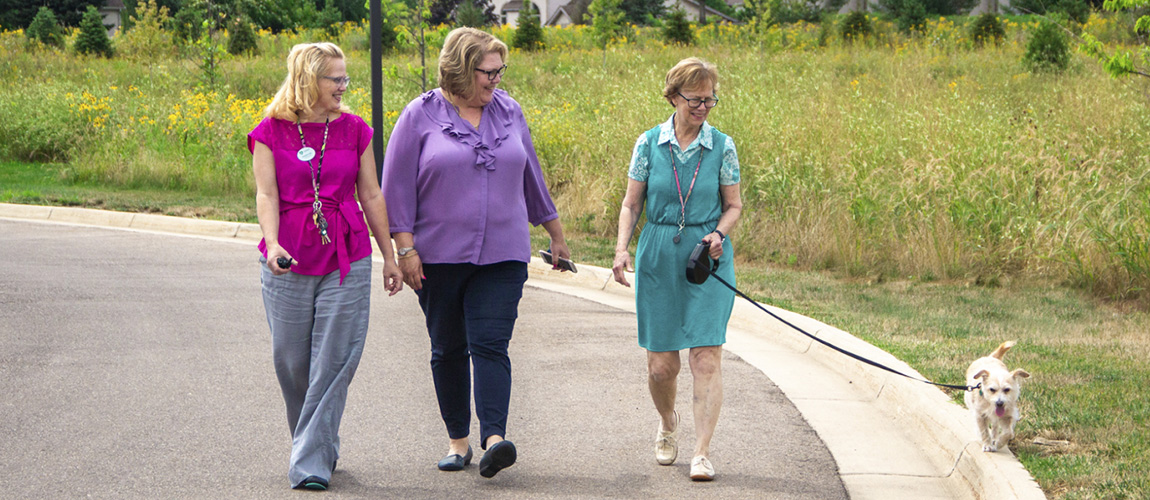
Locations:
699 267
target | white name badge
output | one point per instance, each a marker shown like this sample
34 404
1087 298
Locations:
305 154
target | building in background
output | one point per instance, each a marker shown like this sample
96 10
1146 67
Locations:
113 14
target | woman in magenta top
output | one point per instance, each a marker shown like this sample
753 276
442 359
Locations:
312 159
462 183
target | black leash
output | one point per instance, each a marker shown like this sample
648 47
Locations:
875 364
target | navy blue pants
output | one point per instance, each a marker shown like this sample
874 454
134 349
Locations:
471 312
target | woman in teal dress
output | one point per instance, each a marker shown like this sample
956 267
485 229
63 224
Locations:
691 194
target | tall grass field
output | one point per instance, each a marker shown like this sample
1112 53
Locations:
930 161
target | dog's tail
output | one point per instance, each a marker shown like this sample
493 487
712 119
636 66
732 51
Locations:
1001 351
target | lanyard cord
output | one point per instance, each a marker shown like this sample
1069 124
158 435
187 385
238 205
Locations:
317 206
314 169
679 187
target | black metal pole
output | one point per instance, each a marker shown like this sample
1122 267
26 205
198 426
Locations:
377 86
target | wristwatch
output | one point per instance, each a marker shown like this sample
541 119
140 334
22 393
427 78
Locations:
404 251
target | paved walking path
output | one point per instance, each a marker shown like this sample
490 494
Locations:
138 365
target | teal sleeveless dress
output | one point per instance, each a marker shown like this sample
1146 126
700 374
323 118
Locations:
674 314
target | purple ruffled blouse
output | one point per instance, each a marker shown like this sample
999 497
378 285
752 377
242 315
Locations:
466 195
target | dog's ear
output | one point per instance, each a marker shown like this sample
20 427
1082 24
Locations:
981 374
1019 373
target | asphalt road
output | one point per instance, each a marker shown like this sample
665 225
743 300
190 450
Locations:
138 365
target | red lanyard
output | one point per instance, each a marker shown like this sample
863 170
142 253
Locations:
679 188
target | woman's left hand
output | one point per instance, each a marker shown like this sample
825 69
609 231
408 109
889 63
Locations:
559 250
716 244
392 277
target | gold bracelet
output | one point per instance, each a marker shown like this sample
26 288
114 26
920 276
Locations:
410 253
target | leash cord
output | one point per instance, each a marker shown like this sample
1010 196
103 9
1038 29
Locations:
836 348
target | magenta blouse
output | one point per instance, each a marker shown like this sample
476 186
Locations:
348 137
466 195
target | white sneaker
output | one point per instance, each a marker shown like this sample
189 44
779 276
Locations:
701 469
666 444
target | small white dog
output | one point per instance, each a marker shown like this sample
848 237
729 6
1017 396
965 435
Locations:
995 403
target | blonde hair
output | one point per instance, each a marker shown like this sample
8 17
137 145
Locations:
463 50
690 73
306 63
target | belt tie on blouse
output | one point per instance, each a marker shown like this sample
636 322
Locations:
340 228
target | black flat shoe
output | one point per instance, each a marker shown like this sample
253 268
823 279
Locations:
312 483
500 456
455 462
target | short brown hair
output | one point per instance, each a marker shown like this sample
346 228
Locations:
463 50
690 73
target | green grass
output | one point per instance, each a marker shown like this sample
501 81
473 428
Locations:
47 184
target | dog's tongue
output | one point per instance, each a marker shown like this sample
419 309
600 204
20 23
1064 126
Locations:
1000 410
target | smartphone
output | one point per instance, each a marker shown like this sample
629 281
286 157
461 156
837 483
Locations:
563 263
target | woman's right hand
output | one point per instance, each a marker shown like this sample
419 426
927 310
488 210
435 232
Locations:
274 253
412 269
622 264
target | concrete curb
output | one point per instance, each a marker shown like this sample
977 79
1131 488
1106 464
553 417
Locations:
891 436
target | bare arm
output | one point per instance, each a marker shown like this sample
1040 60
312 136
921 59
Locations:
375 210
268 204
728 221
629 213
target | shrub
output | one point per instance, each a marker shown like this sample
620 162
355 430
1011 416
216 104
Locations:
93 38
328 20
529 34
147 38
44 123
1048 49
46 29
856 26
242 39
188 24
912 17
987 28
475 14
677 29
1077 10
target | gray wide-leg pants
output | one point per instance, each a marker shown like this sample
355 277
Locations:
318 329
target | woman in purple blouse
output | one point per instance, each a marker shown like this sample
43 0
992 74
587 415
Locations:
312 159
462 183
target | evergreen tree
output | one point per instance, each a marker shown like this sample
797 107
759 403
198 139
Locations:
242 39
606 21
93 37
640 11
677 29
987 28
20 13
912 17
529 33
188 24
329 20
46 29
475 13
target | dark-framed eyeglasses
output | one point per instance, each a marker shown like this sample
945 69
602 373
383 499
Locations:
709 102
341 81
493 74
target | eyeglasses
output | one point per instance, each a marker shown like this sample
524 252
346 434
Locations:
341 81
709 102
491 75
